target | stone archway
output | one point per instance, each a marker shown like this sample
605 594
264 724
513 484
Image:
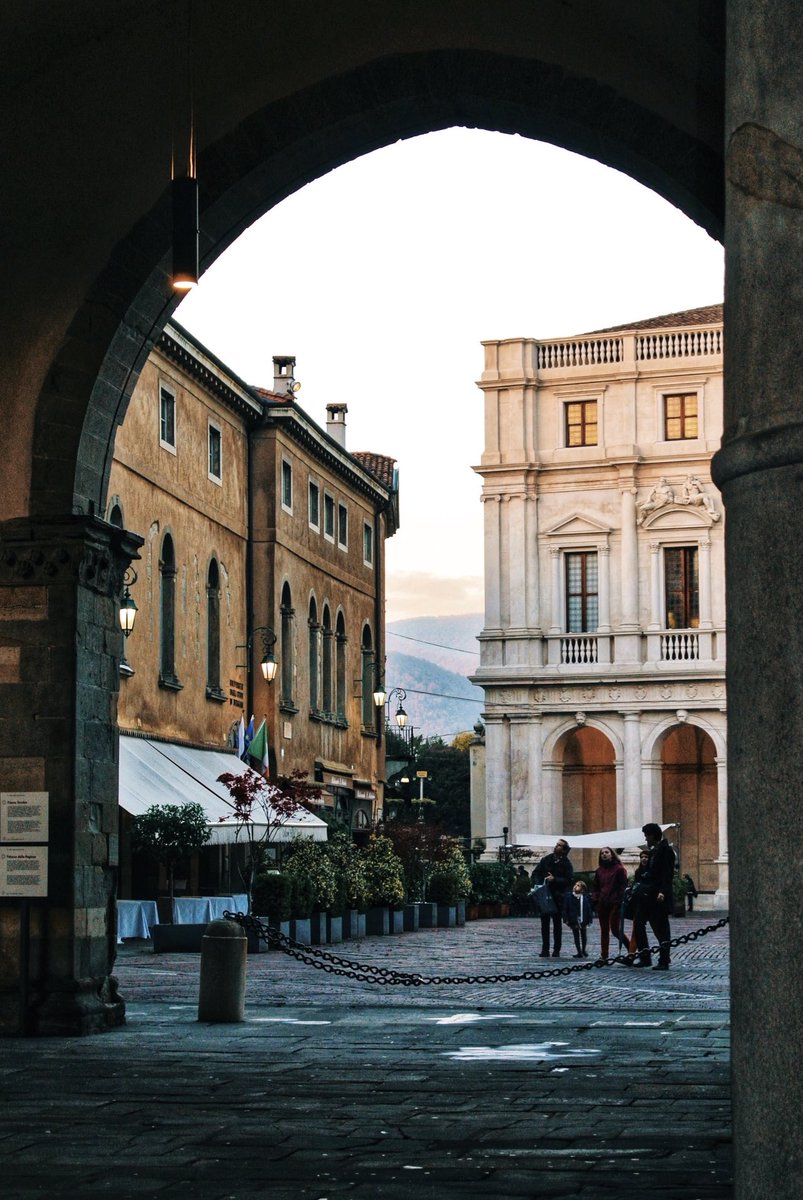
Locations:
689 798
589 788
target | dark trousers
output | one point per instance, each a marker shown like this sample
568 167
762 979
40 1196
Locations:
580 937
658 919
556 933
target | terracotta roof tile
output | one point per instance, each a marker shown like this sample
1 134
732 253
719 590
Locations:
710 315
379 465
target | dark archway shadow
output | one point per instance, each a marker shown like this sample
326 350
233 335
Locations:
276 151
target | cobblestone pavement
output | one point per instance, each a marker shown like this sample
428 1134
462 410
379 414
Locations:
608 1082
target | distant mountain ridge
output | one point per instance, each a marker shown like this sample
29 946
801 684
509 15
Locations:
430 658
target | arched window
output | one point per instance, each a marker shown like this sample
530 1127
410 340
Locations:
286 648
368 718
314 655
326 698
340 668
167 612
213 688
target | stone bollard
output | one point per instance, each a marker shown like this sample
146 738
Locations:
223 958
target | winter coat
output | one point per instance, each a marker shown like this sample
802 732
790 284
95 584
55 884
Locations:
610 881
562 869
660 873
577 909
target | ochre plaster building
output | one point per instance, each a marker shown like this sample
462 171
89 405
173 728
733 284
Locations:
603 652
261 534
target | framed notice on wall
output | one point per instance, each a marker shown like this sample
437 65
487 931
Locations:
23 871
23 816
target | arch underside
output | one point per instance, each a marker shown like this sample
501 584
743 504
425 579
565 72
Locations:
273 153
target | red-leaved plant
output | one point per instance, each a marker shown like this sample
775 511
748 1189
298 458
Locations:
260 808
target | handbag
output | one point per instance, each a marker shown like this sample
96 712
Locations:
544 901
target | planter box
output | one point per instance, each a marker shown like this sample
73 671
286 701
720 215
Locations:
281 926
427 915
377 920
300 930
353 923
494 908
317 925
397 920
447 916
472 912
334 929
461 912
410 917
177 939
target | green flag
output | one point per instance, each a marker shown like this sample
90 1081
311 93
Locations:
258 747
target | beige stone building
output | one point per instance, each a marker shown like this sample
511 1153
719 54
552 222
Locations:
603 651
263 536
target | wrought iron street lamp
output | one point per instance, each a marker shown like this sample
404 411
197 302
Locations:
128 607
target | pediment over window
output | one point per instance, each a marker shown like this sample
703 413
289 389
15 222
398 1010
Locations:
579 526
679 516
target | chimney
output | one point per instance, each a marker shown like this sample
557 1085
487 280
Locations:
283 382
336 423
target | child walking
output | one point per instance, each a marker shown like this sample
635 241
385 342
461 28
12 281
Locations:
578 915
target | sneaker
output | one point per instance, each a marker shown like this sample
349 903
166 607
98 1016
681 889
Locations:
544 954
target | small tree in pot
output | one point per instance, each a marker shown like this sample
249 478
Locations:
171 833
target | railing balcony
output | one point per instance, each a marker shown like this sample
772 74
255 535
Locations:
679 647
629 348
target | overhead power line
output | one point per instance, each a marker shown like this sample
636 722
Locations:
422 642
446 696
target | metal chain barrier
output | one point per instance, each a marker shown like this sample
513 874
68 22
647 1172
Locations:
333 964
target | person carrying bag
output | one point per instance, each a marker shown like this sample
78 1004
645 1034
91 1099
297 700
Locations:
556 871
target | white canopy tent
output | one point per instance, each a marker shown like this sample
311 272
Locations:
153 772
626 839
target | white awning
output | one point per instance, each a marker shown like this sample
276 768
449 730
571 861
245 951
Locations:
154 772
626 839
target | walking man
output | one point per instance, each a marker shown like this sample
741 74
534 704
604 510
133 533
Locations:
655 898
555 870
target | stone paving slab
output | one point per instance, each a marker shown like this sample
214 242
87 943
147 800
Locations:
331 1089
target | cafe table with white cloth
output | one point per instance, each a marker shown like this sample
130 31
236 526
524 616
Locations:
135 917
200 910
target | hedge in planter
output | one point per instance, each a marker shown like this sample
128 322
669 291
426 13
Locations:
449 880
491 882
383 873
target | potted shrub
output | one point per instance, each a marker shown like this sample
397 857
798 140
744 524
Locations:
171 833
310 860
385 883
449 885
350 881
270 899
492 887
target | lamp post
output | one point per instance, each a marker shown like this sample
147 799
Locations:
127 616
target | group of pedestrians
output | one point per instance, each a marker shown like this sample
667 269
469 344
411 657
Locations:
648 901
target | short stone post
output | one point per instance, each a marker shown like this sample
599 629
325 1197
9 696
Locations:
224 948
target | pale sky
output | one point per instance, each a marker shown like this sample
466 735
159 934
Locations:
383 278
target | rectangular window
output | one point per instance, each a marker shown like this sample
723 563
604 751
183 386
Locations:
287 485
680 417
215 454
582 598
167 418
342 526
682 583
328 517
581 423
314 505
368 544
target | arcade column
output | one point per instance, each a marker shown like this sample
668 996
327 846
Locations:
60 591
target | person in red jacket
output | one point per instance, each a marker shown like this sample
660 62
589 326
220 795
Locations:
610 881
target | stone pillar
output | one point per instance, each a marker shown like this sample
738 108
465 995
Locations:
556 617
632 769
629 571
521 782
758 471
705 583
493 599
60 590
516 561
533 613
722 894
604 599
656 615
497 780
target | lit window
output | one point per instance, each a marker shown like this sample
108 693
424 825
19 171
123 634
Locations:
314 505
680 417
215 454
167 418
682 585
582 599
368 544
581 423
342 526
287 485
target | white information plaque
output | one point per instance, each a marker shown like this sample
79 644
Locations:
23 871
23 816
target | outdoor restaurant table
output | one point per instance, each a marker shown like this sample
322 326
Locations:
200 910
135 917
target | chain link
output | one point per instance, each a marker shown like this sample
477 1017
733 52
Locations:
333 964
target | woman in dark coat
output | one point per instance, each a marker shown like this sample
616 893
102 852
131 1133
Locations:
555 870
